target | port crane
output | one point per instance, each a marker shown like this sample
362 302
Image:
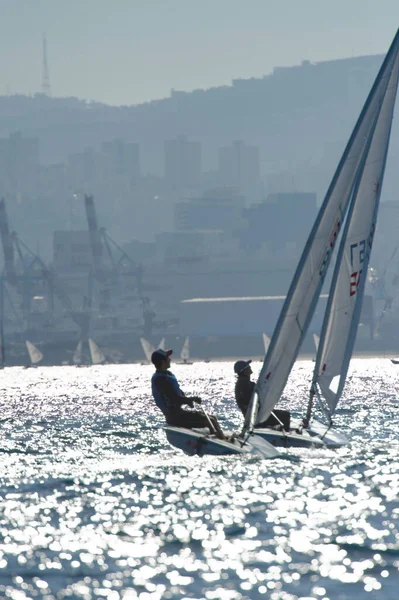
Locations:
30 278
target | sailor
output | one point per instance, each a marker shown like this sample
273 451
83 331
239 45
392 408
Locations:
170 399
243 392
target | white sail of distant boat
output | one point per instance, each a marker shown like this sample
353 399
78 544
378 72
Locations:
2 357
78 354
35 356
316 340
148 348
266 342
304 292
185 351
2 351
161 345
342 315
96 354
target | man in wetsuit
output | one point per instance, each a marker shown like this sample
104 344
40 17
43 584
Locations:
170 399
243 392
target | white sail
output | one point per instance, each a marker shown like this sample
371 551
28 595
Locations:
96 355
266 342
305 288
316 340
185 351
35 355
347 288
78 354
161 345
148 348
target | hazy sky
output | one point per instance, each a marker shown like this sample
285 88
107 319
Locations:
129 51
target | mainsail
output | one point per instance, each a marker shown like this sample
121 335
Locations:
96 355
161 345
342 316
185 351
148 348
35 355
306 285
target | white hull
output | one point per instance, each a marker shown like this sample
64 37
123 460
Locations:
331 438
315 436
200 444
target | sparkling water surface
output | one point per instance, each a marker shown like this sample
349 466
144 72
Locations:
96 504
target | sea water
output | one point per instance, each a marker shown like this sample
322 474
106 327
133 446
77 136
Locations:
96 504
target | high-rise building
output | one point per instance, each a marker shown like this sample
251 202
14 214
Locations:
182 163
284 218
87 168
239 165
19 164
124 158
219 209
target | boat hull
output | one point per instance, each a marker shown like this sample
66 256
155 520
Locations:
194 443
315 436
331 437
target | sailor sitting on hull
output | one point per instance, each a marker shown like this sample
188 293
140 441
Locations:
243 392
170 399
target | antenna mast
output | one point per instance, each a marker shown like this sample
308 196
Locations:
46 87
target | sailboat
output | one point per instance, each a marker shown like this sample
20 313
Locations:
266 342
148 348
96 355
201 442
2 352
80 357
354 193
185 352
78 354
316 341
161 345
35 356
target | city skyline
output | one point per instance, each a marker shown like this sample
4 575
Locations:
144 49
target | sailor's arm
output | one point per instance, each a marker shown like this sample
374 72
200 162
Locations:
165 387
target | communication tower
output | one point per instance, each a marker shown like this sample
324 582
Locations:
46 87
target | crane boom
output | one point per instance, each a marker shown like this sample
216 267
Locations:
95 235
7 243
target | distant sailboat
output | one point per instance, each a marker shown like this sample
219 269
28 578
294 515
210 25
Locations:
2 353
266 342
2 356
161 345
316 340
96 355
81 358
78 354
148 348
35 356
185 352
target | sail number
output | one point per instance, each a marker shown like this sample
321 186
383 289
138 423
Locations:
357 255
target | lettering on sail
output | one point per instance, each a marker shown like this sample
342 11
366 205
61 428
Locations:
331 243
